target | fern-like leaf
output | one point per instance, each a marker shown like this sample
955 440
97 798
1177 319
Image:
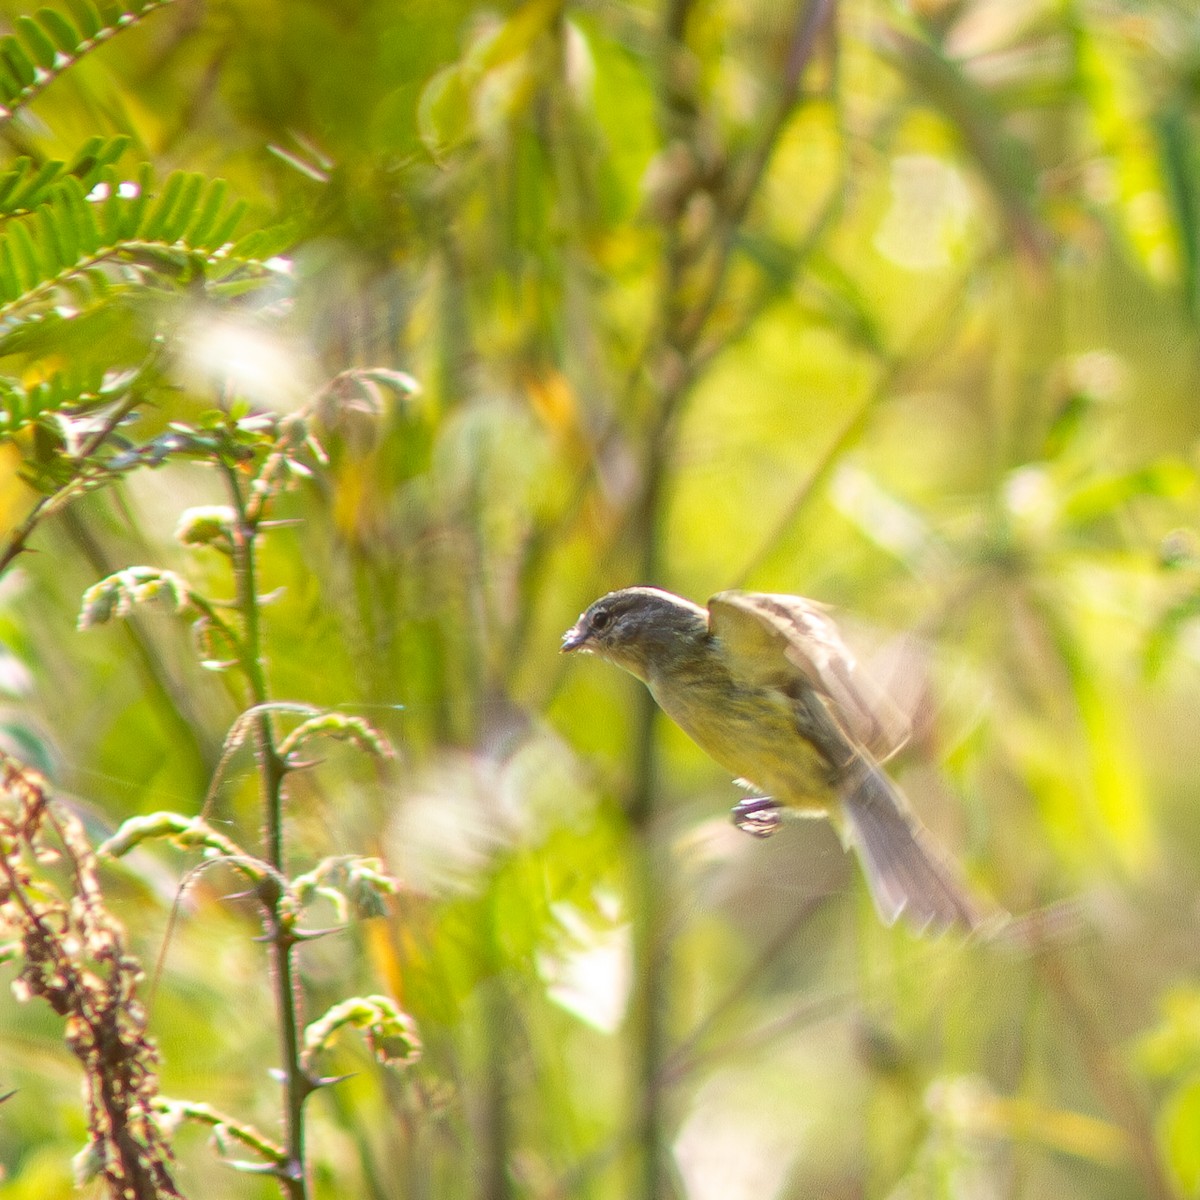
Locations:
182 230
75 389
17 408
23 186
48 43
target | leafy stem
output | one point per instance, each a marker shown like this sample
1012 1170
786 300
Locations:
225 1127
280 921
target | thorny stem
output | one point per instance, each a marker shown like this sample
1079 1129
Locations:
272 771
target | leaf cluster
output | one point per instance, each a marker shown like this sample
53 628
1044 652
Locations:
49 43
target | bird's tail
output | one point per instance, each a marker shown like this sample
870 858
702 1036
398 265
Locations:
904 870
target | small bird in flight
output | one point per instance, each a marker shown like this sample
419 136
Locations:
765 685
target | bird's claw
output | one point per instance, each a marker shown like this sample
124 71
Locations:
758 816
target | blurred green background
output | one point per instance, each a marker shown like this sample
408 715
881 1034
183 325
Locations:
894 305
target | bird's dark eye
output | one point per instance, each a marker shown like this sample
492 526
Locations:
601 618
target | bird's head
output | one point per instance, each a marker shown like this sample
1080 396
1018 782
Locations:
638 628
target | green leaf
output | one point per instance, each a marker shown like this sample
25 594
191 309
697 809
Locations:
1163 637
214 198
117 595
161 213
230 289
10 87
65 36
391 1032
1180 163
1180 1131
264 243
59 248
43 49
225 227
130 223
19 63
93 156
444 111
184 210
400 382
112 211
29 270
11 179
83 218
112 13
355 885
10 281
87 17
27 196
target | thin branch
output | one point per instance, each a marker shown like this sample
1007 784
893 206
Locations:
811 20
685 1055
224 1126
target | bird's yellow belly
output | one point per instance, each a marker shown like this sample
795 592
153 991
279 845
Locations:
753 735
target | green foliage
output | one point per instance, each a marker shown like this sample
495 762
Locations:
893 306
390 1031
49 43
180 232
24 186
81 387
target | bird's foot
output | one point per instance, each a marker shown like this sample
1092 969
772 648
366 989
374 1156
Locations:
758 816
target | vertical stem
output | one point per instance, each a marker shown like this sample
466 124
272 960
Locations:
495 1179
684 311
272 771
651 863
652 867
651 907
270 765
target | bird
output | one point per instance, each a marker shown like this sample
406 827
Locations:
766 686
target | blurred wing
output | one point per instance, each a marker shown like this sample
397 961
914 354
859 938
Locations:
775 640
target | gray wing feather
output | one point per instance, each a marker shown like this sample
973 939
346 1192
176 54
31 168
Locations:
776 639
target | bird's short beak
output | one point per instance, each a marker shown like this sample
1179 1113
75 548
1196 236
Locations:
574 638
